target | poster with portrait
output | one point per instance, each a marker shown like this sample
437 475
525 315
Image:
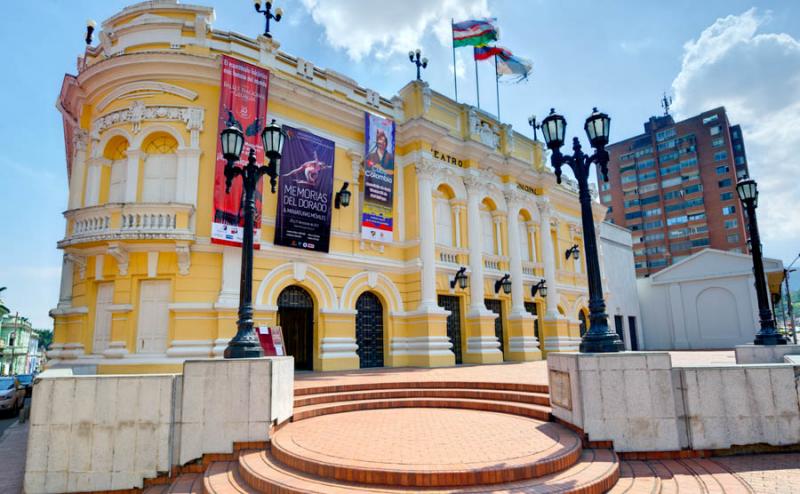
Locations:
377 221
305 192
243 103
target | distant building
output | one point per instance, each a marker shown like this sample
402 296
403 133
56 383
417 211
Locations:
19 345
619 282
674 186
704 302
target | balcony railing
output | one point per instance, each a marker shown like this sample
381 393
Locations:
450 255
496 263
120 221
529 267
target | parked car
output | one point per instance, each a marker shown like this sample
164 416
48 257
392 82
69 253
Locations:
12 395
27 381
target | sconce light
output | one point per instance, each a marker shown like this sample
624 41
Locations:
574 251
505 283
342 198
461 278
540 287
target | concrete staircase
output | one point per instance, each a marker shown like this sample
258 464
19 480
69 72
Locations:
363 438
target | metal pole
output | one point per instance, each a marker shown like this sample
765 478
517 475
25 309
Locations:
453 40
497 87
767 334
477 83
245 344
789 308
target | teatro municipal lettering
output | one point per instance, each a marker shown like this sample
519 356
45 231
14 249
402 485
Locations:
447 158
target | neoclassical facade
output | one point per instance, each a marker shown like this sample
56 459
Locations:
143 287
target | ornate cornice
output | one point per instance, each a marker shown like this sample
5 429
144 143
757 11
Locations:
138 112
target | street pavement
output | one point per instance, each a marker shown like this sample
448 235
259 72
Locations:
13 447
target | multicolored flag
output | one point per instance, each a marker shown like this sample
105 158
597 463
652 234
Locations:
486 52
475 32
510 64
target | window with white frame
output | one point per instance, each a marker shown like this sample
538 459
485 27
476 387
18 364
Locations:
444 222
160 170
487 230
524 244
116 189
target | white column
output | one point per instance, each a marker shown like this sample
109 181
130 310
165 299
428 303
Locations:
132 175
78 170
65 294
532 242
355 201
498 233
92 195
515 261
457 208
187 176
549 260
427 249
475 240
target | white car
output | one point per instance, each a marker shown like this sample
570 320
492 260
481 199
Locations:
12 395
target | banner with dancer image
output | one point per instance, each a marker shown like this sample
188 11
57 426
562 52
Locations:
377 221
305 191
243 103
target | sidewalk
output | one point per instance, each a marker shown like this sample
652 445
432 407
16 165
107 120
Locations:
13 447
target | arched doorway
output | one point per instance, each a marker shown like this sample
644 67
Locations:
296 318
582 319
369 330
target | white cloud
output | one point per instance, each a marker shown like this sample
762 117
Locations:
756 76
381 29
461 71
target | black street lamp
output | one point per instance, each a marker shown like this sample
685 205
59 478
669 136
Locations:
461 278
534 125
414 56
540 287
504 283
768 334
600 338
267 11
245 344
90 25
573 251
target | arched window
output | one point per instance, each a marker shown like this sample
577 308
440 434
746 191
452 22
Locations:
160 168
524 246
444 221
487 230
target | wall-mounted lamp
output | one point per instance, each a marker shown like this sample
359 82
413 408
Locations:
461 278
505 283
540 287
573 251
342 198
90 25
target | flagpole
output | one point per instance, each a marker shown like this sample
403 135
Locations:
497 87
477 83
453 40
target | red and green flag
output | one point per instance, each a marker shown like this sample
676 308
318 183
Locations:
475 32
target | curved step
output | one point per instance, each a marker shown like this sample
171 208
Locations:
595 472
187 483
424 448
538 412
222 477
301 390
480 394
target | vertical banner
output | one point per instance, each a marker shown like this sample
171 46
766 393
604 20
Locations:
377 222
305 192
243 103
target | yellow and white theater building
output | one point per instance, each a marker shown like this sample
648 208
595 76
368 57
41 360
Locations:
143 288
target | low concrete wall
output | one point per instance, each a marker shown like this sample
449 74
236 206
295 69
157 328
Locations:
764 354
641 403
97 433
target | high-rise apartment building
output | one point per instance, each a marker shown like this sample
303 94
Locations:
675 187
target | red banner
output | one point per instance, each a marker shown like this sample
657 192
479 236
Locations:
243 103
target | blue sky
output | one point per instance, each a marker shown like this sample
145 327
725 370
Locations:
619 56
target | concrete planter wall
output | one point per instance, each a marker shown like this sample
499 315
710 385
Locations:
642 403
97 433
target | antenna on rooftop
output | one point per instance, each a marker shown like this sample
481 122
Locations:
666 102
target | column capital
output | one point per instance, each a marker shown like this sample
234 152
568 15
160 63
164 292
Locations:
457 205
543 203
515 198
497 216
574 228
475 184
427 168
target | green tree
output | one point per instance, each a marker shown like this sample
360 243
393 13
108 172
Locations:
45 337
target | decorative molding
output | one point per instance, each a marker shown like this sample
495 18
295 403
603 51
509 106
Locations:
299 270
121 255
146 87
77 260
356 161
427 169
184 257
138 112
373 98
426 97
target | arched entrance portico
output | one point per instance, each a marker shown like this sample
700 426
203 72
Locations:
296 318
369 330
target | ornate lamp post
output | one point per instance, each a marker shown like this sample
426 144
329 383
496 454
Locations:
414 56
768 334
90 26
245 344
534 125
267 11
600 338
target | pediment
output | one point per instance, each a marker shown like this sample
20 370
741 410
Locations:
141 89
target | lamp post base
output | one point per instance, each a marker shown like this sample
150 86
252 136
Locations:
770 339
601 343
243 349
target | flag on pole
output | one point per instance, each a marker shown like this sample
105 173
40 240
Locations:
510 64
475 32
486 52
